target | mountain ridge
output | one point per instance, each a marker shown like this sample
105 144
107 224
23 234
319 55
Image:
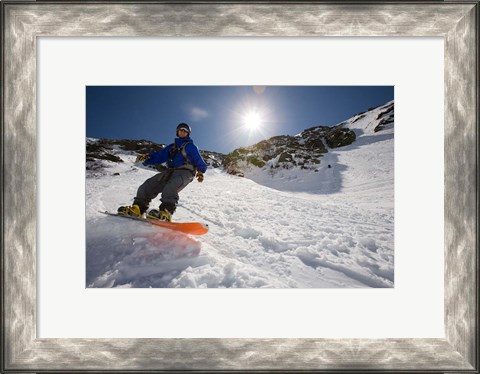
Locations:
304 151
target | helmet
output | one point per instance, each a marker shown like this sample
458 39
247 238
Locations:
184 126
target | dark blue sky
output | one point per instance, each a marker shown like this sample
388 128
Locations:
218 114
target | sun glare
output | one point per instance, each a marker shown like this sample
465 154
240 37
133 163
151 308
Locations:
252 121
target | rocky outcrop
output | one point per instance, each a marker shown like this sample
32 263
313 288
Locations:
386 118
285 152
340 137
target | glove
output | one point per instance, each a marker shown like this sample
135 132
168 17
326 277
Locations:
199 176
141 158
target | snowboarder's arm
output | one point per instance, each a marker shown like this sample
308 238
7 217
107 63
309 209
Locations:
158 157
196 158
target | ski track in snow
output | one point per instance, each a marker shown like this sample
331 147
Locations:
331 229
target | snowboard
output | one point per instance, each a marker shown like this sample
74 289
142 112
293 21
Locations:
192 228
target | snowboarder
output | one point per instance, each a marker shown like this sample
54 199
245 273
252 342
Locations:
184 164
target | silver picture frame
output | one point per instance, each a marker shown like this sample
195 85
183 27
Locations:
24 21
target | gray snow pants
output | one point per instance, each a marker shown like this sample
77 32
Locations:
168 186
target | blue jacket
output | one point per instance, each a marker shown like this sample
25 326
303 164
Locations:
193 155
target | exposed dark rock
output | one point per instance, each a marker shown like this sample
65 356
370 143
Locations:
99 150
256 162
340 137
386 118
139 146
285 157
316 143
232 169
358 118
282 151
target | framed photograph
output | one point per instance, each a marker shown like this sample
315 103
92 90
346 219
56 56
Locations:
58 277
260 235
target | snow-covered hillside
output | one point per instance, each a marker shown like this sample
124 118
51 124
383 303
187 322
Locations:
367 163
296 228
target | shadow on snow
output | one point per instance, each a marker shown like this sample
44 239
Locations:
132 254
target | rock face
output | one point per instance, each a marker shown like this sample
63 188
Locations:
340 137
285 152
386 118
99 150
213 159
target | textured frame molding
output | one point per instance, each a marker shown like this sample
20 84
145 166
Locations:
23 22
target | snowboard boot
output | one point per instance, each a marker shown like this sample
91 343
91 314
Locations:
162 215
133 211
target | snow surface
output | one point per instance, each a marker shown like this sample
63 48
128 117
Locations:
296 229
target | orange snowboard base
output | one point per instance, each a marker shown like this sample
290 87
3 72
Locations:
192 228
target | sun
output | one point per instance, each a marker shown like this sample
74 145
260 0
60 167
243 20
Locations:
252 121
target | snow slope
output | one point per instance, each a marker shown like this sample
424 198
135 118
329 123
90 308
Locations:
333 228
